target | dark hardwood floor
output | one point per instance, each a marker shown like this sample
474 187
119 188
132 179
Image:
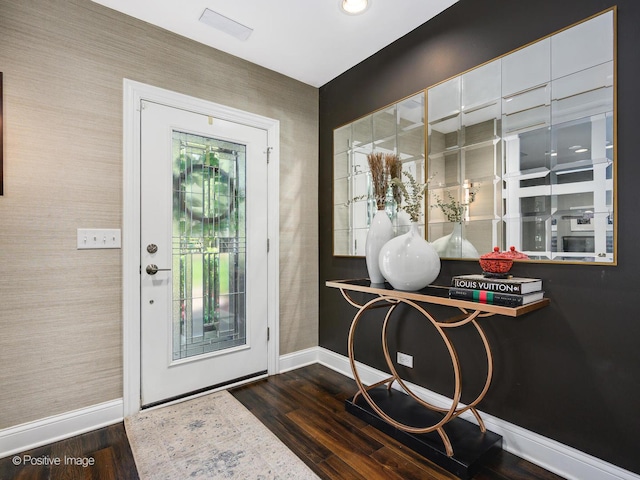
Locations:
105 453
305 409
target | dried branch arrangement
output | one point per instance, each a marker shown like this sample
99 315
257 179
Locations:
453 209
383 167
412 195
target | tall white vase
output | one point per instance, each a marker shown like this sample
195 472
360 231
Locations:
409 262
455 245
380 232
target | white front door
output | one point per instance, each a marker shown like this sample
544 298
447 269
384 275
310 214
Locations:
203 251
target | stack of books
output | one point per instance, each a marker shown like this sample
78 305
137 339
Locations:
507 292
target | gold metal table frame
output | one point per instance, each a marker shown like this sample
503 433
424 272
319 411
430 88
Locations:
470 312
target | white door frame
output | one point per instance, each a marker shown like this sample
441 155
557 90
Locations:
134 92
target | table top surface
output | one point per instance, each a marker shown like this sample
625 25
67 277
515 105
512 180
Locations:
434 294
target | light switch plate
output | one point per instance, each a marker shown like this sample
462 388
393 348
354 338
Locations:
93 238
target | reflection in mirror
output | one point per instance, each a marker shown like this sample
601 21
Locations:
464 152
397 129
523 147
520 153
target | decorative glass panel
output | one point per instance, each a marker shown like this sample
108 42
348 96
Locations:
208 245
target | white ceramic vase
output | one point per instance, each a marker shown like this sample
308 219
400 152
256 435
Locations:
380 232
408 261
455 245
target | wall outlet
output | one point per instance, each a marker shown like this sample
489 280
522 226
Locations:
90 238
406 360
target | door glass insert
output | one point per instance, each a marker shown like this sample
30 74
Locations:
209 245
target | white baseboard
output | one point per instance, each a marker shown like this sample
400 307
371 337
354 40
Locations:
299 359
549 454
59 427
41 432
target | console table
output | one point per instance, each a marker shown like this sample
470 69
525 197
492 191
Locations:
391 414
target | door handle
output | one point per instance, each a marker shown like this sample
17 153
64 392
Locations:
153 269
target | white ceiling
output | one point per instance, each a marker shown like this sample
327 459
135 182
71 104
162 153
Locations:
310 40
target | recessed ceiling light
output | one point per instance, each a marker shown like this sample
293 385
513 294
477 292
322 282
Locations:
226 25
582 150
354 7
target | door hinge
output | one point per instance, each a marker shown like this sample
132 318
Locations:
269 154
268 245
268 334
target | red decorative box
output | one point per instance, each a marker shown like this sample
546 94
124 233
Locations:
514 254
498 262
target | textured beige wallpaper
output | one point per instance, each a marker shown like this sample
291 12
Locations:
61 308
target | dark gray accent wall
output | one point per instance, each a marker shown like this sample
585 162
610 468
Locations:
570 372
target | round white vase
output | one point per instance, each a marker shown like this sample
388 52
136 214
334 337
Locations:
409 262
455 245
380 232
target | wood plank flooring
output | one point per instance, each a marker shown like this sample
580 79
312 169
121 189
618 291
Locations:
108 447
305 409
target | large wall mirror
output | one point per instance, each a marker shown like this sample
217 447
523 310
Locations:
520 152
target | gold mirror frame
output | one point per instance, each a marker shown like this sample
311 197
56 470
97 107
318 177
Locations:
540 190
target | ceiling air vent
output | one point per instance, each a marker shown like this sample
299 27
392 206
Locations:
225 24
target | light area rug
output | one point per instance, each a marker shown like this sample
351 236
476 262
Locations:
210 437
